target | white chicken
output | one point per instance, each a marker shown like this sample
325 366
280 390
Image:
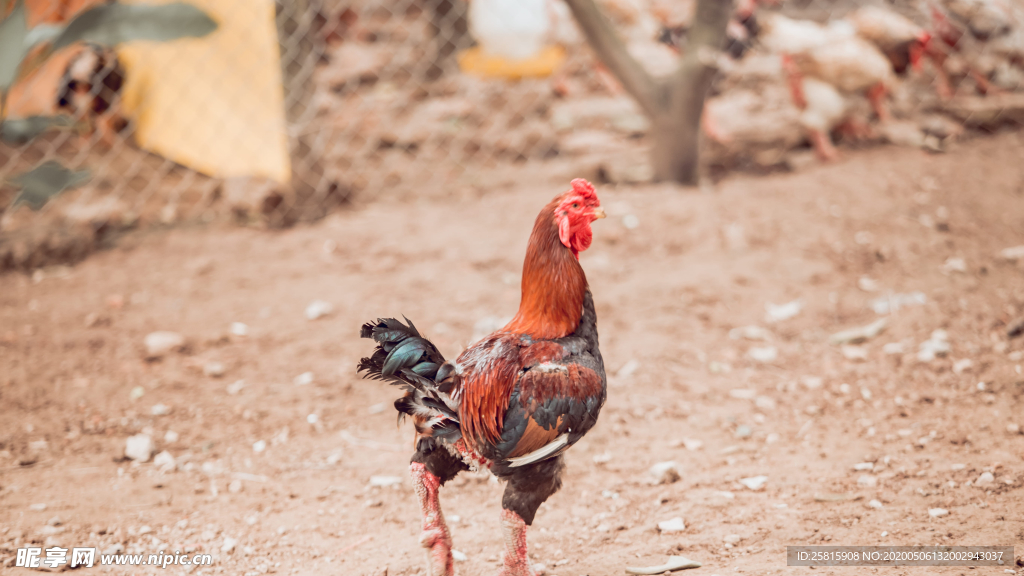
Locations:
767 104
980 39
902 40
832 52
512 29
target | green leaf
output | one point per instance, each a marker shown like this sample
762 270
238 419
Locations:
44 182
112 24
13 31
21 130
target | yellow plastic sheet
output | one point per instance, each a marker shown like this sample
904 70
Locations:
214 104
479 63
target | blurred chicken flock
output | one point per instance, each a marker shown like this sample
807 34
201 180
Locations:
794 74
396 96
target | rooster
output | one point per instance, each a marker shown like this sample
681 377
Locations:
517 399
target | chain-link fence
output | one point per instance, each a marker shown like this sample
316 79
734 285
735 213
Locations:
276 113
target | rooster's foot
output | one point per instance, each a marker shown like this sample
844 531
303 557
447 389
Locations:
439 551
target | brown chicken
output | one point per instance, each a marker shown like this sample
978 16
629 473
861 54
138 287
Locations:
515 401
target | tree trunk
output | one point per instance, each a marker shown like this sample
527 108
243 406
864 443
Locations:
674 105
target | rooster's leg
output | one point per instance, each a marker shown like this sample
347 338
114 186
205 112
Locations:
528 487
429 470
435 538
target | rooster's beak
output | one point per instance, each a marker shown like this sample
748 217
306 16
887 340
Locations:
599 213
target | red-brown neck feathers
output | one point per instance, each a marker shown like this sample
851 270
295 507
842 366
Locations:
553 281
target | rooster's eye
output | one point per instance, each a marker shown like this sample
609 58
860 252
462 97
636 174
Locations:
575 205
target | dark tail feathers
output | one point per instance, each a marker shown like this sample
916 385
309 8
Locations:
406 359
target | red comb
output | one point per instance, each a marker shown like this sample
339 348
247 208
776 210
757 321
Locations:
583 188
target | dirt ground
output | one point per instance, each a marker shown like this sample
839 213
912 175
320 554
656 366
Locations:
673 272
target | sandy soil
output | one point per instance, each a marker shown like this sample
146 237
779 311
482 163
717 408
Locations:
673 272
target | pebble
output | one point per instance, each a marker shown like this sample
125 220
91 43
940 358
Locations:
867 481
630 222
602 458
862 466
139 447
164 461
937 345
674 563
754 482
763 353
674 525
136 393
259 446
236 387
665 473
385 481
893 348
37 507
860 334
780 312
962 365
160 410
692 444
214 369
894 302
239 329
160 343
954 265
628 369
229 545
868 284
812 382
55 521
459 556
956 467
1013 428
318 309
171 437
938 512
750 333
855 353
732 539
743 431
235 486
1013 254
877 505
303 379
985 479
765 403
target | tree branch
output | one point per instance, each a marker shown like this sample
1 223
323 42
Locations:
613 53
